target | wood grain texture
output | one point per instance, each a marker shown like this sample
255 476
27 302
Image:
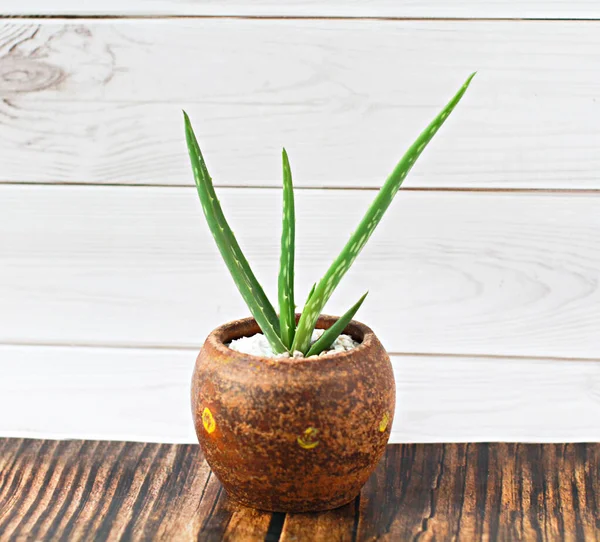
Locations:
460 273
100 101
143 395
77 490
560 9
82 490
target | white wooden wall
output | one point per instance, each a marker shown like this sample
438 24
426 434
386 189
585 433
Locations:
484 277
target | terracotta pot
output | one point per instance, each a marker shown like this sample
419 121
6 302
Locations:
293 435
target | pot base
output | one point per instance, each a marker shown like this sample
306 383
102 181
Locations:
304 507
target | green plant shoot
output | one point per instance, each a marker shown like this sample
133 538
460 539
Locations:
312 291
329 336
287 315
281 331
365 229
252 292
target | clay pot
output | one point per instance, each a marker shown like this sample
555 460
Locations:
293 435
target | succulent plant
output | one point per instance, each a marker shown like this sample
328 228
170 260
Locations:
280 329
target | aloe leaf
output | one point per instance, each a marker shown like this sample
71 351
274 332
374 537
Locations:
287 316
325 341
367 225
251 290
312 291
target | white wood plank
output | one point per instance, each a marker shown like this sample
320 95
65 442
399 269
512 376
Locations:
465 273
143 395
312 8
96 393
442 399
99 101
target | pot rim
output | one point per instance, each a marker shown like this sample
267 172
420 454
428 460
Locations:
227 332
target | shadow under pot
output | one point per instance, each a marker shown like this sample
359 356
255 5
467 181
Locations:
293 435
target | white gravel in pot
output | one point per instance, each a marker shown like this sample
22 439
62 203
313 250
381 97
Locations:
258 345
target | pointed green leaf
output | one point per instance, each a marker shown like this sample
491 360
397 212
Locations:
287 316
325 341
372 217
312 291
249 287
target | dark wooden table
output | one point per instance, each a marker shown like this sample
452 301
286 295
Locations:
88 490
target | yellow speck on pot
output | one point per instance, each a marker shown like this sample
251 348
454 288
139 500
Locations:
208 421
308 439
384 422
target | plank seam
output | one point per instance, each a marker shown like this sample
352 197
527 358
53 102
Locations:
444 189
117 346
72 16
275 528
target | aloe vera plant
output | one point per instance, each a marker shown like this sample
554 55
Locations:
281 330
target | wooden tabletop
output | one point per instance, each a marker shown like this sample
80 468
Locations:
96 490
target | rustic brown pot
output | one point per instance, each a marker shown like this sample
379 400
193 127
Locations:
293 435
